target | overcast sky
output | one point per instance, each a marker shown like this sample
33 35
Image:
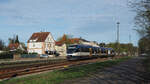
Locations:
94 20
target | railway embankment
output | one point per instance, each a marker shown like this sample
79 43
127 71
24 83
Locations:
69 73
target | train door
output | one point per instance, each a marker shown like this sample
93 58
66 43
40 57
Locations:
109 52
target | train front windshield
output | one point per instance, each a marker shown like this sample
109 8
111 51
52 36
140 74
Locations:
72 49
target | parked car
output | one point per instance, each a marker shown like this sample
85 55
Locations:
56 54
143 54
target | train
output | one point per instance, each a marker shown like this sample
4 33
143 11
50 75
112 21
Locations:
81 51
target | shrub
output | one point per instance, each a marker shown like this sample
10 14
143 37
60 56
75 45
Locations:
6 55
33 53
20 52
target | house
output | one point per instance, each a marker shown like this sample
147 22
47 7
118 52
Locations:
92 43
41 43
61 45
61 48
83 41
15 46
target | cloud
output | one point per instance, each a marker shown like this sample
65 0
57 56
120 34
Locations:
79 17
42 10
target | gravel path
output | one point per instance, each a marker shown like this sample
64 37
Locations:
128 72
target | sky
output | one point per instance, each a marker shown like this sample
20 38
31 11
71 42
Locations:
93 20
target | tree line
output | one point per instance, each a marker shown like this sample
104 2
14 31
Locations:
142 23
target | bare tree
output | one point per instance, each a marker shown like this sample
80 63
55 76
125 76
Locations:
142 21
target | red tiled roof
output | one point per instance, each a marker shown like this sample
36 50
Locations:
39 36
59 43
74 40
13 46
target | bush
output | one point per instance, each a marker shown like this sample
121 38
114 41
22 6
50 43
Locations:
6 55
33 53
20 52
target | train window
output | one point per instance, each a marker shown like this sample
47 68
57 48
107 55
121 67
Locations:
81 50
72 50
87 50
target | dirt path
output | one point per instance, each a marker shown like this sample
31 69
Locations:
128 72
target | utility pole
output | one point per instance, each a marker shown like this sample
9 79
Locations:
118 32
118 44
130 38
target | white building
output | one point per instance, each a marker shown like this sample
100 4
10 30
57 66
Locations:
61 49
83 41
15 47
1 51
41 43
92 43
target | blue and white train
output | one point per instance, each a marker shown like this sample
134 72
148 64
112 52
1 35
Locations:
80 51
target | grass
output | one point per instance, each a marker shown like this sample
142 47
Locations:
59 76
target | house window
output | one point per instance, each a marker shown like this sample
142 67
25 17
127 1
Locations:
33 45
49 39
47 45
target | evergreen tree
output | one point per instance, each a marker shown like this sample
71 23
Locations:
16 39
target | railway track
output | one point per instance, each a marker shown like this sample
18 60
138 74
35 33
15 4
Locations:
24 63
14 68
17 71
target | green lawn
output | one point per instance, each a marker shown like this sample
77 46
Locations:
59 76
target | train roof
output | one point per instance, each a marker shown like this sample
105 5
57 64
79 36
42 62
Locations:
110 49
89 46
81 45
